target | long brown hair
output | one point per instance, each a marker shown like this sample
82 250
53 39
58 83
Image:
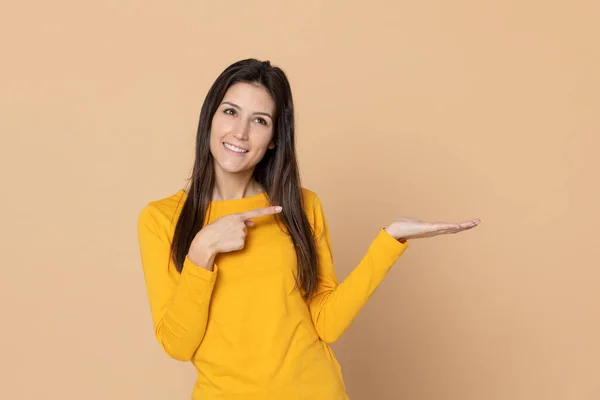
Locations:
277 172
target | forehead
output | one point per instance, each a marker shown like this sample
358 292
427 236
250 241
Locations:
250 97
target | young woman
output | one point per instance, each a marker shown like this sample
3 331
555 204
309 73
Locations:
238 267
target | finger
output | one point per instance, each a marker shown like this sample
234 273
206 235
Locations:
470 224
465 226
451 229
259 212
248 222
444 227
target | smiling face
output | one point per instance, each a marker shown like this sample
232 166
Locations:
242 128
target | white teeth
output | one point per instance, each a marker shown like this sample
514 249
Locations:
236 149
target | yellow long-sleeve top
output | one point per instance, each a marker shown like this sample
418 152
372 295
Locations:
244 325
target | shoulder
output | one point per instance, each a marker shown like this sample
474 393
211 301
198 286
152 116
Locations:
161 214
310 199
313 207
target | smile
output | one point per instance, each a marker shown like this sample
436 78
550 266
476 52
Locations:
235 148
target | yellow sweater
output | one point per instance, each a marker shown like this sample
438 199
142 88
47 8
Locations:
245 328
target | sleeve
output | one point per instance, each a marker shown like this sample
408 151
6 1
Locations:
334 306
179 304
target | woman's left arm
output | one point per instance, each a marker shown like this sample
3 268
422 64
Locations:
334 306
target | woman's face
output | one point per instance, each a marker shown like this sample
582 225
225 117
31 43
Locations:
242 128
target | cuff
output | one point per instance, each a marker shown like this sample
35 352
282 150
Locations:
386 244
194 272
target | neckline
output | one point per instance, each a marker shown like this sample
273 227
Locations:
260 197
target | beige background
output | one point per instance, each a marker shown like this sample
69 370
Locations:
438 110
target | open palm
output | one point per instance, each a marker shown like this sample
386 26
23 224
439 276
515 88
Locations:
411 228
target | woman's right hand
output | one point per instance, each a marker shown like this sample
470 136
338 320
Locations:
224 235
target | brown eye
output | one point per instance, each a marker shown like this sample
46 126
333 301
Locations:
229 111
261 121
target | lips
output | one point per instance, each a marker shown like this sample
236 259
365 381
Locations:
235 149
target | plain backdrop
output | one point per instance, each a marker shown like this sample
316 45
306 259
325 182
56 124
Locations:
435 109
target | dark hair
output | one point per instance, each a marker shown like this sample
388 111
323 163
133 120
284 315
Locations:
277 172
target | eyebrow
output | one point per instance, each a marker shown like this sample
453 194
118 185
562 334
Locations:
239 108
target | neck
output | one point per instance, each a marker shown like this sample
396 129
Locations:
234 186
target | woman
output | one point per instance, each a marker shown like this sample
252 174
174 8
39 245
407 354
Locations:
239 267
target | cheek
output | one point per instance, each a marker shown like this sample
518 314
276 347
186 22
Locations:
266 139
220 127
213 130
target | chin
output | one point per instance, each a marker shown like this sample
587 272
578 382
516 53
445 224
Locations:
232 169
231 165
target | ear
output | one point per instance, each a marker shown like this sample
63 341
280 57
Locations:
271 146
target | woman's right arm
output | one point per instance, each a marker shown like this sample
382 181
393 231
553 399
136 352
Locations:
179 303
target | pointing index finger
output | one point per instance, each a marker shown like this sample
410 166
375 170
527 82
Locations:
259 212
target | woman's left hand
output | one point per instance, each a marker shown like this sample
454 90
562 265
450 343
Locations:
411 228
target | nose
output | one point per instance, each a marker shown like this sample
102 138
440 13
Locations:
241 131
